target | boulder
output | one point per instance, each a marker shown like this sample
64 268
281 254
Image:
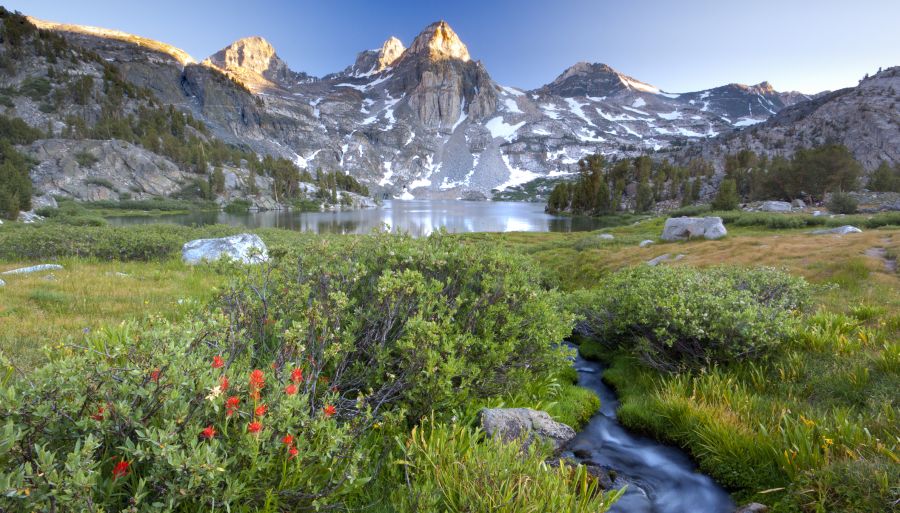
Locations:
817 213
798 203
775 206
645 243
524 423
606 236
29 217
663 258
840 230
682 228
44 201
2 283
246 248
34 269
753 507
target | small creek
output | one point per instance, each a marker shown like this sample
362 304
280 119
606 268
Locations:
662 479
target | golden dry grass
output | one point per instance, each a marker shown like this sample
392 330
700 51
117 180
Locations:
51 307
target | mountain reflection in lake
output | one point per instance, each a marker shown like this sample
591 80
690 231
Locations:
418 218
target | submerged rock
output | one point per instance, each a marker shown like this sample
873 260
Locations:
246 248
34 269
840 230
683 228
514 423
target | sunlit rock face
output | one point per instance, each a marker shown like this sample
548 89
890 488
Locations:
438 41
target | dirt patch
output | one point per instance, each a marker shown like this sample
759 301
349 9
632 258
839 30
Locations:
890 265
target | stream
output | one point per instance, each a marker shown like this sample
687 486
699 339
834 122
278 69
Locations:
661 478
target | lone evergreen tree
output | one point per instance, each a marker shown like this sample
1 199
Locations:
726 197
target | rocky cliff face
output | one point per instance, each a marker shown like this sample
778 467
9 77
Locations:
865 119
429 121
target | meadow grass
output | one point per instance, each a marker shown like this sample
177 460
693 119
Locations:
809 427
49 308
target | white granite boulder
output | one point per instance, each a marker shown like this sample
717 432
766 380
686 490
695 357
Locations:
840 230
34 269
509 424
683 228
246 248
775 206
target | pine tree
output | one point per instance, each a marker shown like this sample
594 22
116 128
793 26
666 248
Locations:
727 196
645 200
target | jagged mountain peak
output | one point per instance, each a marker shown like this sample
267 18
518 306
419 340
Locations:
252 53
439 42
369 62
390 51
595 79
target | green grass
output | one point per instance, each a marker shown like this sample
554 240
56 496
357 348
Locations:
51 308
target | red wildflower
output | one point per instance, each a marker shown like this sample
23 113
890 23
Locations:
230 404
208 433
254 427
217 362
120 470
257 382
297 375
99 415
223 384
329 410
288 440
293 452
291 389
261 410
154 375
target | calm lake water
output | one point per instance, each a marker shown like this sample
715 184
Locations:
418 218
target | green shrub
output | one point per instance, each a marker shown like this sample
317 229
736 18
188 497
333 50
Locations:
446 322
677 317
842 203
141 419
36 88
100 182
238 206
690 211
727 197
86 159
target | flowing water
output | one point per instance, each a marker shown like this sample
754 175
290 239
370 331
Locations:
418 218
663 479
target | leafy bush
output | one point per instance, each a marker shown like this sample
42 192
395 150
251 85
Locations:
842 203
425 323
36 88
238 206
100 182
136 420
86 159
676 317
286 393
15 183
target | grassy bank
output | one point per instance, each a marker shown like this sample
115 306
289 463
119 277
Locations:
811 425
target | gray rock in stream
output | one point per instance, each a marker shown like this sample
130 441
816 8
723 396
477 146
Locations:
510 424
34 269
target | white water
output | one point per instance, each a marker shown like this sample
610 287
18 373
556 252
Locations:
664 479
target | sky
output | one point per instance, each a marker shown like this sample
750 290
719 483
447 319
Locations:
678 46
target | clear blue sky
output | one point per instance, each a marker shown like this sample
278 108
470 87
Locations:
676 45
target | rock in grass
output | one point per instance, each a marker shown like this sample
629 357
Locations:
606 236
840 230
2 283
29 217
645 243
510 424
246 248
775 206
682 228
663 258
753 507
34 269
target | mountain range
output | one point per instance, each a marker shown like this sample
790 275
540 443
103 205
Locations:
428 121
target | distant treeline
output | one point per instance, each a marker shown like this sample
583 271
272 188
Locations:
605 187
